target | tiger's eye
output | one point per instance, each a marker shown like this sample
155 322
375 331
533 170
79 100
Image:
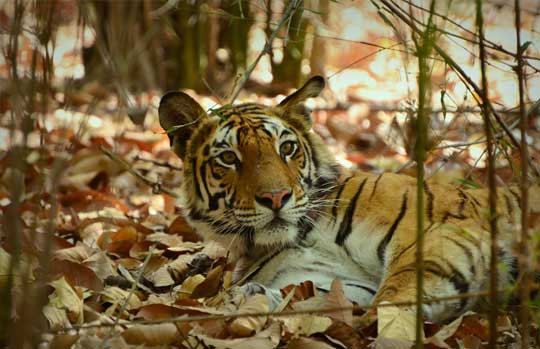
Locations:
287 148
228 157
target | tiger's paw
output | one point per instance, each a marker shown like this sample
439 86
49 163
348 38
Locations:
273 295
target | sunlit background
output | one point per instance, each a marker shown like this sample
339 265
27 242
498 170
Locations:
121 55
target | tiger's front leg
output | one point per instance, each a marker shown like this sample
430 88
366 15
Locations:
273 295
456 261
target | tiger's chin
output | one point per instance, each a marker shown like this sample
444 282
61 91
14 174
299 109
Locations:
275 236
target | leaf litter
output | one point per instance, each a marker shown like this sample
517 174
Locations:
107 221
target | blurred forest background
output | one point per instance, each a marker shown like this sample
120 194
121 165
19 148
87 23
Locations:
88 184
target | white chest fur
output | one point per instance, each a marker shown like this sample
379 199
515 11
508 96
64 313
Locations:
321 260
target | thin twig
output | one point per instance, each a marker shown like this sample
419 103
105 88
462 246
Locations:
465 77
487 43
134 285
157 163
184 319
267 49
423 47
156 186
493 296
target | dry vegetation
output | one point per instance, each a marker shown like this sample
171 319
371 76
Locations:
94 251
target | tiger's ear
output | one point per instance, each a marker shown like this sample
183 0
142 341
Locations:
179 114
293 106
312 88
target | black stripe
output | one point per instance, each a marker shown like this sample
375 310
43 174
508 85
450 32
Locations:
454 276
375 186
467 252
382 245
305 226
213 201
228 127
345 226
461 208
509 206
462 204
426 231
249 237
369 290
338 195
472 200
195 181
516 195
429 195
263 263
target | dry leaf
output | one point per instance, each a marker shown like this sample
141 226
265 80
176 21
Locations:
76 274
187 247
163 311
247 326
158 334
307 343
306 325
392 343
66 298
180 265
189 285
396 322
101 264
118 296
168 240
346 335
57 317
446 332
63 341
266 339
161 277
471 342
76 254
180 227
119 242
334 299
210 286
129 263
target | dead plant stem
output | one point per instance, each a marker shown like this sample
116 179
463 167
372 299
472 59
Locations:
493 296
525 275
423 46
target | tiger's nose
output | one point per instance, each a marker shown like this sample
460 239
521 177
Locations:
274 200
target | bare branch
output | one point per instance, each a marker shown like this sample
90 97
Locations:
293 5
156 186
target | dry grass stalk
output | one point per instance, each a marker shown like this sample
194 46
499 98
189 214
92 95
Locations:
525 276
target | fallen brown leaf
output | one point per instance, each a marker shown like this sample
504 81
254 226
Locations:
265 339
156 334
210 286
247 326
76 274
307 343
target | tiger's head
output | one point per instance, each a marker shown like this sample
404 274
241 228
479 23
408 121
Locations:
254 176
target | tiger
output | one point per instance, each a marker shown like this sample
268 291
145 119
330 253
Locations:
258 180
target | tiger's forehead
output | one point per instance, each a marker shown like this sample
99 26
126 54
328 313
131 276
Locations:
247 123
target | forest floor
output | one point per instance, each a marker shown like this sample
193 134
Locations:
125 268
